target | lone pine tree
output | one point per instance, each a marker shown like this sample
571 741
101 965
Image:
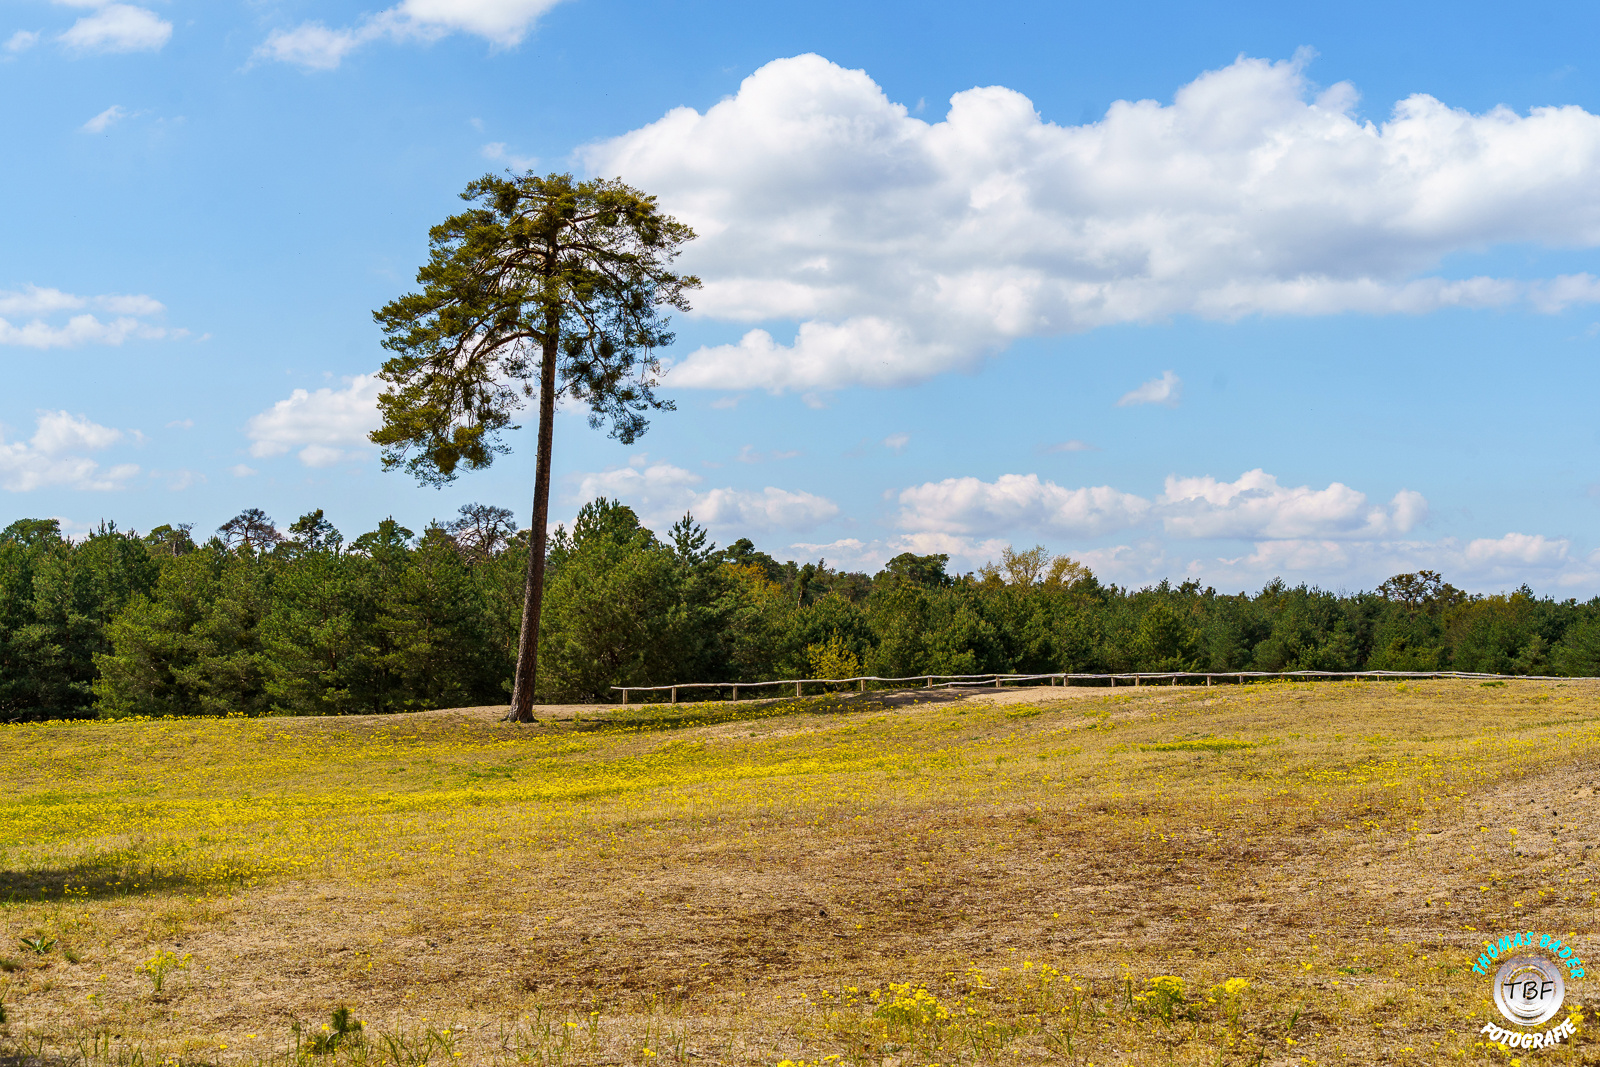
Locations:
544 287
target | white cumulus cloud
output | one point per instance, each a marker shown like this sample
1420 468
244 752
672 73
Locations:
21 41
49 326
116 28
904 248
1516 550
311 45
661 493
1017 501
326 425
57 455
315 46
1254 507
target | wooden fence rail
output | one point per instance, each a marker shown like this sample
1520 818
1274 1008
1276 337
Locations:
955 681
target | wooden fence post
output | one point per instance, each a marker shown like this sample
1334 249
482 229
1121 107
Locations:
797 689
997 681
735 693
674 694
624 696
861 685
1136 679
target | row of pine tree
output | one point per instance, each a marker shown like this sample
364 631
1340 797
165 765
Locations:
258 621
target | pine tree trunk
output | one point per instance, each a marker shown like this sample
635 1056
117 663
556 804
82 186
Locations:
527 675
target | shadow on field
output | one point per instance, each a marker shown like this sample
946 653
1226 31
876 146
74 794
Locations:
668 716
85 882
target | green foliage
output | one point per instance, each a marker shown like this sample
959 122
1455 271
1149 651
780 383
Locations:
613 611
312 624
56 601
832 658
1578 652
192 645
1166 641
541 277
311 628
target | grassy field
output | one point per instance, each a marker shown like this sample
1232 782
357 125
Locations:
1277 873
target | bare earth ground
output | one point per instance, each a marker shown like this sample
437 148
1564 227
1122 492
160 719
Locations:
720 885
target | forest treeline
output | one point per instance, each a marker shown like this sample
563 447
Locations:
258 621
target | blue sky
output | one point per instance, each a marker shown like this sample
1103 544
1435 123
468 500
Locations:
1226 293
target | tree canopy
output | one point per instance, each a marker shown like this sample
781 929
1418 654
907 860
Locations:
537 267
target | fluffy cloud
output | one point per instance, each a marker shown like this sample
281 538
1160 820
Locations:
41 305
1333 535
1256 506
906 248
56 455
315 46
1164 390
325 425
1253 507
1012 501
115 28
661 493
21 41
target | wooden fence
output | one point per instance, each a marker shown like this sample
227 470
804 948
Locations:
964 681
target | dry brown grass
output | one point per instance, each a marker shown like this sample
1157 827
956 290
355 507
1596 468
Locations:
712 889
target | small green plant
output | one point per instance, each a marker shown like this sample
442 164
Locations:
7 965
39 945
1164 998
162 964
340 1031
1491 685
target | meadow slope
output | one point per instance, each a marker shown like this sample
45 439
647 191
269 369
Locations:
1272 873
